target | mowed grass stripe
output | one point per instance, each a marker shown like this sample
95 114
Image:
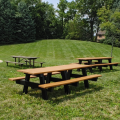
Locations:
99 51
68 52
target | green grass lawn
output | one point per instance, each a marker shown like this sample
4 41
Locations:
100 102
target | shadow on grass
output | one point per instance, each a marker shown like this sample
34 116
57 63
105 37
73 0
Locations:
78 91
58 95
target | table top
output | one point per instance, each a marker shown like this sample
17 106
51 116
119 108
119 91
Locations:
28 57
94 58
35 71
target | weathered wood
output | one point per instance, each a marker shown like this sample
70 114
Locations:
14 63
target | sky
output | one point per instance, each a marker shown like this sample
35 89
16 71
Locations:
54 2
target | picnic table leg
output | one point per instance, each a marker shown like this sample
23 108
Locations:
48 79
80 62
33 63
111 68
19 60
85 81
15 60
99 62
44 91
89 63
64 77
69 74
29 62
25 88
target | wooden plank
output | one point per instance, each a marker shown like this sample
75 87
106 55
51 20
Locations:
14 62
31 76
36 71
103 64
94 58
20 78
65 82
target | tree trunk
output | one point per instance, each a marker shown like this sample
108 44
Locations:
91 25
96 33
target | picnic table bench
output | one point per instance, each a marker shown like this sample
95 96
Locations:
65 83
31 76
14 63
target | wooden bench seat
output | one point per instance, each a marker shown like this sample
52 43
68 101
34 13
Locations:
20 78
31 76
65 82
14 63
105 65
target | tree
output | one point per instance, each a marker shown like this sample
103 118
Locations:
7 22
62 7
25 27
88 9
77 29
45 20
110 22
71 11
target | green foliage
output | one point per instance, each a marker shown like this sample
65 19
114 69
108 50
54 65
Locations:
16 23
7 22
78 29
88 9
110 22
62 7
71 11
25 27
45 21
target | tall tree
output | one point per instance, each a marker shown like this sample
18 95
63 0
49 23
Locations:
88 9
44 17
25 27
62 7
77 29
7 22
71 11
110 22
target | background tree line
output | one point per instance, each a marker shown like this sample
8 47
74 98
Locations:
29 20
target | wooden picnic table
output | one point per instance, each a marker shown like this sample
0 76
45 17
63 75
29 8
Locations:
99 60
89 59
26 58
65 70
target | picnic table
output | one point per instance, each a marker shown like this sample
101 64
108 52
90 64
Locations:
90 59
27 59
98 62
66 73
